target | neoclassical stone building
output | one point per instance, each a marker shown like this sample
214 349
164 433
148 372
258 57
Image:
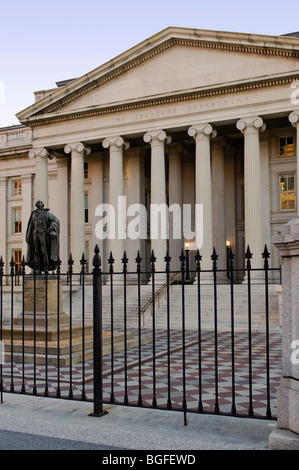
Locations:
185 117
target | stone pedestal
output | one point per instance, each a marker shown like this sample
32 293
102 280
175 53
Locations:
45 325
286 436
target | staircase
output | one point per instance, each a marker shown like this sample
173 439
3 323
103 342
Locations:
175 303
240 305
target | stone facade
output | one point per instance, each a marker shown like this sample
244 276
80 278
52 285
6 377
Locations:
185 117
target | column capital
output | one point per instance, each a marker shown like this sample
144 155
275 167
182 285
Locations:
202 131
294 118
78 147
40 153
156 137
115 142
251 124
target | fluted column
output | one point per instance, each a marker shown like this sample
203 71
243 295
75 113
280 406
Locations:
218 196
176 244
41 156
250 128
294 119
116 146
157 140
77 150
203 191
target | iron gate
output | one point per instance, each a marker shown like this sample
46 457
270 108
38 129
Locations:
124 338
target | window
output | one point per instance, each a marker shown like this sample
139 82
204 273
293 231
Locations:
17 220
17 256
16 188
287 192
85 170
286 146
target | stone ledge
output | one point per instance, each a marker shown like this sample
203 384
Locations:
283 439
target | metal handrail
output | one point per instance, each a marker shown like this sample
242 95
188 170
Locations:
157 294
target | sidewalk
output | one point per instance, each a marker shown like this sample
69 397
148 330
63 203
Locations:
128 428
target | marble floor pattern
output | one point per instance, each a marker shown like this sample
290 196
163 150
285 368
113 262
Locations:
208 372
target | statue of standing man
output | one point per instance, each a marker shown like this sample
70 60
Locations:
42 237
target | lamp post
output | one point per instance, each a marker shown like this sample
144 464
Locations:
227 253
187 261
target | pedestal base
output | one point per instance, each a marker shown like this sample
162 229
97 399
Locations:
283 439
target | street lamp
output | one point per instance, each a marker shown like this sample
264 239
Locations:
187 261
227 253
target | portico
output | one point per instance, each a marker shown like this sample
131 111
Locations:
184 119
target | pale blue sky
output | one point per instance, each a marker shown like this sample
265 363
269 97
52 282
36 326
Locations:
44 41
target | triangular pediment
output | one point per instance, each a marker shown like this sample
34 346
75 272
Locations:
172 63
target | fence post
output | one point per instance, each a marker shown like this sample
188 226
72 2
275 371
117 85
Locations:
286 435
97 336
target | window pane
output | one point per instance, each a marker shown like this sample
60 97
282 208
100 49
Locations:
18 261
287 192
17 188
286 146
17 219
86 207
291 182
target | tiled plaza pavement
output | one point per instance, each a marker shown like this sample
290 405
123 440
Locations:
141 378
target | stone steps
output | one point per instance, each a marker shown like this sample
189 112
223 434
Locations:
64 349
240 305
191 307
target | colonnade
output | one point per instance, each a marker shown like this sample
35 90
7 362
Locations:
209 187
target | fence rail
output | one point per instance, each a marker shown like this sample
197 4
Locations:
98 336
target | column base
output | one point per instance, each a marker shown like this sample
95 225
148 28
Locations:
256 277
205 278
160 279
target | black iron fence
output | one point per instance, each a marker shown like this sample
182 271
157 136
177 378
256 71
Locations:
147 339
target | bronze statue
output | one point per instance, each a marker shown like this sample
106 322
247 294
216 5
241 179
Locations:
42 237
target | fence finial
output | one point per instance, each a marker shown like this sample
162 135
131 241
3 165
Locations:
266 256
138 259
167 259
110 262
182 259
12 265
125 260
153 260
70 263
96 262
83 262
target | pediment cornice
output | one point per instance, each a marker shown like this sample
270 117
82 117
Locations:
220 91
52 107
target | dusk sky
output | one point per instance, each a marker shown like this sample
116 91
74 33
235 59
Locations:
42 42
